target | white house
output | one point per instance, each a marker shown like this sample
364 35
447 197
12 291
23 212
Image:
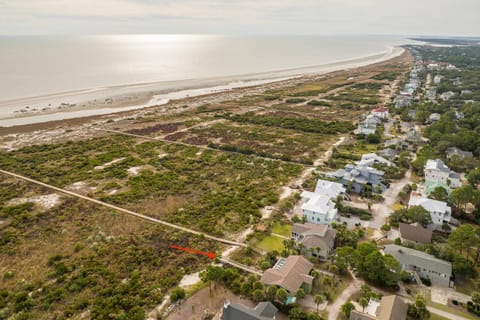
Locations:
318 208
439 211
381 113
447 95
434 117
368 126
329 188
437 79
437 171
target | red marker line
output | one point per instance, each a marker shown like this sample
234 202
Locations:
210 255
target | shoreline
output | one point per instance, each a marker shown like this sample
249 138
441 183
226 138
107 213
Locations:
124 98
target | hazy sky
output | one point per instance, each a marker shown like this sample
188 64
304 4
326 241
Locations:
403 17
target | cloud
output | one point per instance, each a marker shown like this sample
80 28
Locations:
246 16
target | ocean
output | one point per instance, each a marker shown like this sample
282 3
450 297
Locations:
33 66
48 66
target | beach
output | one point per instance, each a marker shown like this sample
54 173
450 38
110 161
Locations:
49 129
107 100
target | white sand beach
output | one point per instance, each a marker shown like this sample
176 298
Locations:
106 100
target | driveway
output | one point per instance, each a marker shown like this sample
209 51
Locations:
334 308
381 211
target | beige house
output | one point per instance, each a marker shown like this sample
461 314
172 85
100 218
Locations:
316 240
290 273
389 308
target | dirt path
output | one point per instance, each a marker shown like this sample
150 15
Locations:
334 308
129 212
201 124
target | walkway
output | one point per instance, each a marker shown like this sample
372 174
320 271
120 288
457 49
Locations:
241 266
200 146
129 212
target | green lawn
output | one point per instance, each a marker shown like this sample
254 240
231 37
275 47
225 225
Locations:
434 316
270 243
282 229
460 313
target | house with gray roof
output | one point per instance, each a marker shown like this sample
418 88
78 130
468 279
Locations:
437 171
358 178
389 153
455 152
316 240
369 159
291 273
390 307
403 100
439 211
422 264
237 311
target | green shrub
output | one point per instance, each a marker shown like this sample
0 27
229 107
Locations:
177 294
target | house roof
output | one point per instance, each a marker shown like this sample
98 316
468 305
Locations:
357 315
315 235
381 109
411 257
266 309
388 152
436 164
329 188
301 228
429 204
431 185
415 232
318 203
453 151
392 308
289 273
369 159
236 311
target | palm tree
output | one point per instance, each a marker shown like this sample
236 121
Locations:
347 308
318 299
363 302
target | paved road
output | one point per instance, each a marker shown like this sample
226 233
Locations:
129 212
381 211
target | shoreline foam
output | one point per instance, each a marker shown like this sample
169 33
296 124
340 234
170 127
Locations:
107 100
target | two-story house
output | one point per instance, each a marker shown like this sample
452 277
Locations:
317 240
421 264
356 178
319 206
439 211
437 171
